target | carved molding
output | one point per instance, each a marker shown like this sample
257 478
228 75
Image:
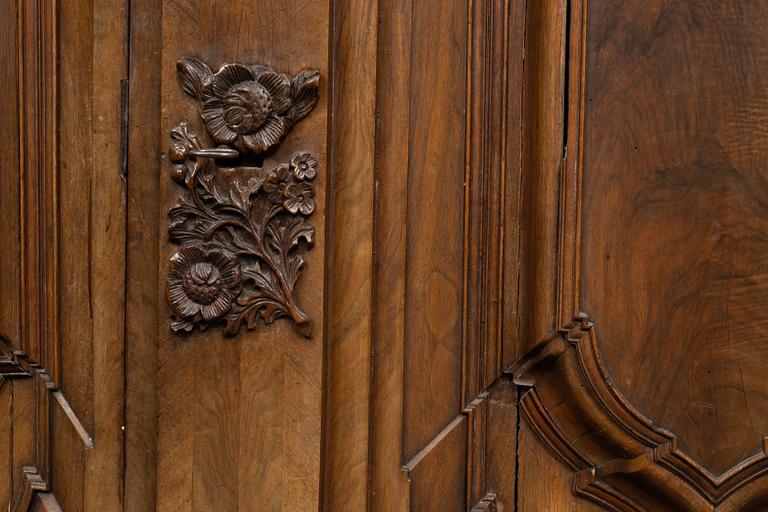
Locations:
12 364
620 458
241 222
32 485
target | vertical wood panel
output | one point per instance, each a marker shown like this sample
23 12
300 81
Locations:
349 283
6 443
10 255
143 227
434 261
389 485
501 451
216 443
543 89
513 214
76 162
103 484
438 474
68 464
252 440
23 444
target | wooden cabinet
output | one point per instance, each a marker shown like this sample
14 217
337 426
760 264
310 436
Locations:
385 256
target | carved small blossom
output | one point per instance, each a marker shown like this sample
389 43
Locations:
202 285
304 165
299 197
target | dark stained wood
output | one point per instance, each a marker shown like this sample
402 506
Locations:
76 314
542 128
10 256
6 443
675 217
646 399
512 175
142 230
537 271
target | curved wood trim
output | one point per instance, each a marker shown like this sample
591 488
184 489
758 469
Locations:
32 485
620 458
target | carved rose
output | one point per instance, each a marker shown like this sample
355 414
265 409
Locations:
304 165
299 197
248 107
202 284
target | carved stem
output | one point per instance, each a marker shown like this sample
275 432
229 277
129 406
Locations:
297 315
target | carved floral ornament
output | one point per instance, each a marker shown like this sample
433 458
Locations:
240 223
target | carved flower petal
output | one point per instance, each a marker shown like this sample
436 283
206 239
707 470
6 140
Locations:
307 207
279 87
229 269
218 307
227 76
213 107
281 104
255 142
291 204
306 190
218 128
180 303
272 130
184 258
267 136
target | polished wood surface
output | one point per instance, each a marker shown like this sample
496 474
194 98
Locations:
536 281
673 272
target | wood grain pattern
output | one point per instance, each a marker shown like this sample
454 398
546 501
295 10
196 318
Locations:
487 170
143 219
438 473
350 273
388 488
679 295
6 444
501 445
434 257
512 175
10 257
542 129
544 483
253 440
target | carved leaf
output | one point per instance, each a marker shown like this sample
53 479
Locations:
305 95
193 74
239 228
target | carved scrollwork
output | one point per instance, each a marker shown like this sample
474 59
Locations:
241 222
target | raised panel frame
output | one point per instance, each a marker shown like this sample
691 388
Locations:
620 459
